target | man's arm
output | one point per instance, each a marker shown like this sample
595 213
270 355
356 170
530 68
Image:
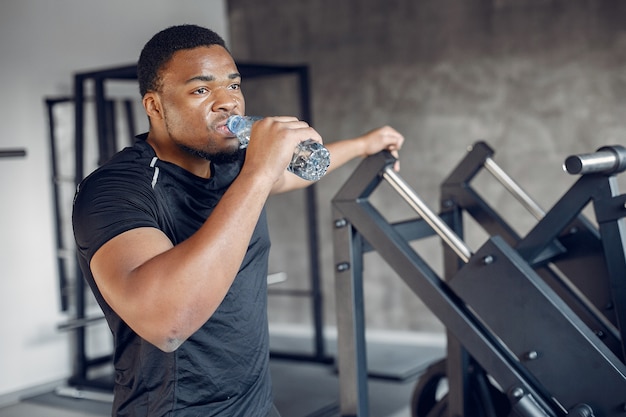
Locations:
343 151
164 292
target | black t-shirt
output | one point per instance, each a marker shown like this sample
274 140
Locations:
222 369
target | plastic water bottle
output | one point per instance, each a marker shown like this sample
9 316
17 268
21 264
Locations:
310 160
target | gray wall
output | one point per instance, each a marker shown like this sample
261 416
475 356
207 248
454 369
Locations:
537 79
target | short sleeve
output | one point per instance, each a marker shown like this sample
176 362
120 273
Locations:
107 204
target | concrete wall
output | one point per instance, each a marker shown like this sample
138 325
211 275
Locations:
537 79
42 45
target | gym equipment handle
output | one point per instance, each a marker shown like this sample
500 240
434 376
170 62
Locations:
433 220
513 188
606 160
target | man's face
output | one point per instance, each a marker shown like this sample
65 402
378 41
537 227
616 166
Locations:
200 88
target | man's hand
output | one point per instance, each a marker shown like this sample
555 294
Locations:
273 141
342 151
382 138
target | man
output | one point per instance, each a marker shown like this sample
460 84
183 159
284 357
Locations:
172 237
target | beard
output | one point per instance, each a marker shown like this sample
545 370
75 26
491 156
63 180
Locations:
207 153
224 157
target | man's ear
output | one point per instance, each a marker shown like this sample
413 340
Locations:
152 104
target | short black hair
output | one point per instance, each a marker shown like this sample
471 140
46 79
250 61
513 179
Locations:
162 46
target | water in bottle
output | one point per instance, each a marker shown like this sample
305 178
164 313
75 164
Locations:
310 159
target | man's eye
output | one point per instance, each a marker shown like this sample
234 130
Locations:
235 86
201 90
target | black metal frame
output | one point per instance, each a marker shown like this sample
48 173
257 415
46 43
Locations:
107 146
12 153
563 243
548 359
56 194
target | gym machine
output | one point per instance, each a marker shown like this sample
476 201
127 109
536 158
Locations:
535 323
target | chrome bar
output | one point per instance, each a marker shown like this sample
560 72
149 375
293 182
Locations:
606 160
517 191
433 220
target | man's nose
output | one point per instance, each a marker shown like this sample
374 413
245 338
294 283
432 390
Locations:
225 100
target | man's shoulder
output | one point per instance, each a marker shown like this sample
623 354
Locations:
132 159
128 173
139 154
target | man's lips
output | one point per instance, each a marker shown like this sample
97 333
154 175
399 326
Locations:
223 129
221 126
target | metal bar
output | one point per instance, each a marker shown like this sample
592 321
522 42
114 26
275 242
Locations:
11 153
80 355
78 323
61 270
111 128
351 347
413 229
102 131
514 188
564 212
458 363
441 228
607 160
130 121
